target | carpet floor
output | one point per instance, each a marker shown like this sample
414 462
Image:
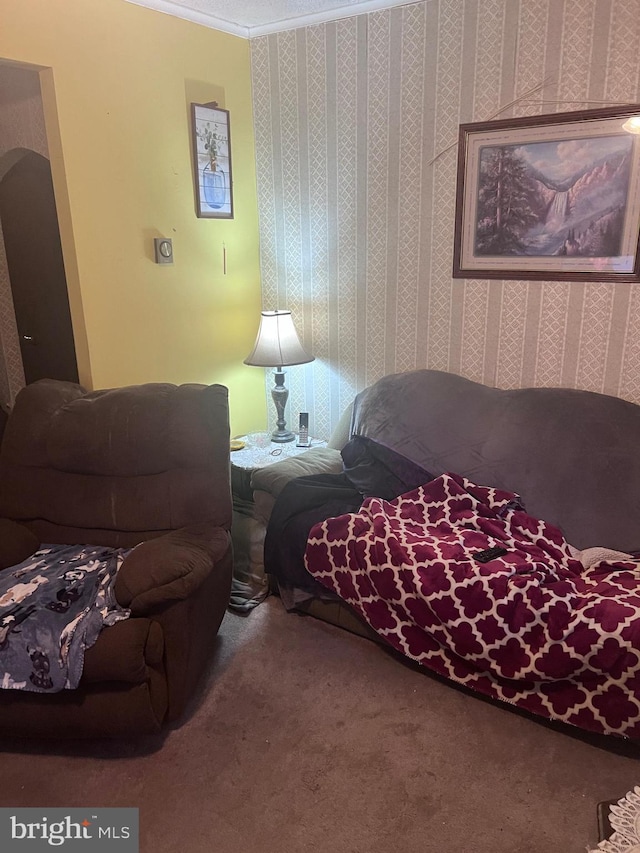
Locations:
307 738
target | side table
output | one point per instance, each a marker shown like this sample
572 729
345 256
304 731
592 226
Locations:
250 583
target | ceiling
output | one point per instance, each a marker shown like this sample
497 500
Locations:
249 18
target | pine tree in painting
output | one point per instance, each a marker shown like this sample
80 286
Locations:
508 203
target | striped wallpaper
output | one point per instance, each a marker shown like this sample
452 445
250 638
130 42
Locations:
356 125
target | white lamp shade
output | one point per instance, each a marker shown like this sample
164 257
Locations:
632 124
277 344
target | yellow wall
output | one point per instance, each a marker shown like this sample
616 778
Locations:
118 80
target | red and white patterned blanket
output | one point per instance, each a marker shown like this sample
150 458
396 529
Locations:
532 627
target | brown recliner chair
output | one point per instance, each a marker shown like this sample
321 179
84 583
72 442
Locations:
143 464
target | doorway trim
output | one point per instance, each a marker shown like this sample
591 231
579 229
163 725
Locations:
65 224
12 376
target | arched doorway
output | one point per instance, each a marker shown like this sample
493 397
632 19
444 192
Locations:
36 269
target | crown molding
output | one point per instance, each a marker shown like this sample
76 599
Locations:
179 11
248 32
325 17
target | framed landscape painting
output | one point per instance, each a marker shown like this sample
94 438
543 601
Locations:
211 135
549 197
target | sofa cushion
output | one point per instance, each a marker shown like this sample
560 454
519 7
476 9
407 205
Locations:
141 458
317 460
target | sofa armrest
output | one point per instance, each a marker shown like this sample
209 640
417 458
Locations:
169 568
318 460
17 543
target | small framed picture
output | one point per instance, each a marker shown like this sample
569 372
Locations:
552 197
211 136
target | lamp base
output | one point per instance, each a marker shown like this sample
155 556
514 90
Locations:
282 436
280 396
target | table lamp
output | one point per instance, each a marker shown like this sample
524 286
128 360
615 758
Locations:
278 345
632 124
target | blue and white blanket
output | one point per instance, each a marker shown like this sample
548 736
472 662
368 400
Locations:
53 605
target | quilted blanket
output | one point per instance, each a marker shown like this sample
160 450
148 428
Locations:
461 579
53 607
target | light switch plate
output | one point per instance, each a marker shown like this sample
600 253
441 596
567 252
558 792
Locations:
163 249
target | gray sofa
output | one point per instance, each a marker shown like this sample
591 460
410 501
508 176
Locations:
572 455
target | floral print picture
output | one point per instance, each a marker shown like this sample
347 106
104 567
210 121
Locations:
212 161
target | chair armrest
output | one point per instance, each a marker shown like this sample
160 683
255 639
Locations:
169 568
17 543
318 460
